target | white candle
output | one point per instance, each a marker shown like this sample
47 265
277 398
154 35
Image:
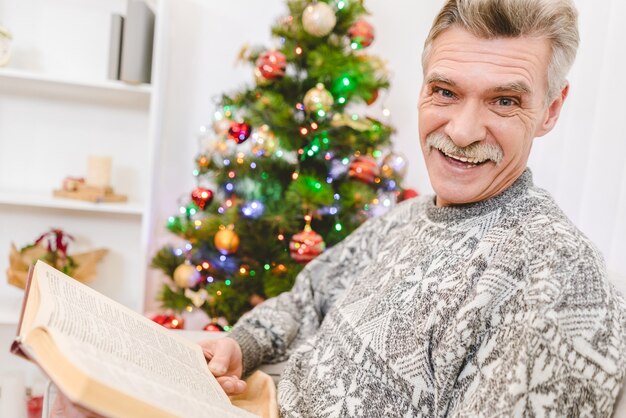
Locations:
98 171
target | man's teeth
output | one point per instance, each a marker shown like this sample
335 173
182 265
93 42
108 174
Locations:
463 159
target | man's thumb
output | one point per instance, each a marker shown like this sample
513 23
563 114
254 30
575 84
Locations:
219 364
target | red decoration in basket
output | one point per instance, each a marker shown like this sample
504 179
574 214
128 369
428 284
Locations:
202 197
364 168
271 64
239 131
169 321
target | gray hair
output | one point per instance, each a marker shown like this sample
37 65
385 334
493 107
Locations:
555 20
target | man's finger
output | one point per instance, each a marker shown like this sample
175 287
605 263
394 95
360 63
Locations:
232 385
219 363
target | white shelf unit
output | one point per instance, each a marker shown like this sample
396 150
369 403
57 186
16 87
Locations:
57 107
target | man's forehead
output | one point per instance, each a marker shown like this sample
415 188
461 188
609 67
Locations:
511 64
519 86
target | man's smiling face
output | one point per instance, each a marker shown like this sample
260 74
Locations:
482 103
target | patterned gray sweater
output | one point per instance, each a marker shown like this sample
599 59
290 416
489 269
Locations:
496 308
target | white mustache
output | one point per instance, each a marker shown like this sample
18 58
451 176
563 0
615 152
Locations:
477 150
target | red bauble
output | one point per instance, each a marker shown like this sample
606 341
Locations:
306 245
372 98
239 131
408 194
202 197
169 321
271 64
362 33
213 327
363 168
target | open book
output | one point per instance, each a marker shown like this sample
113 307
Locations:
110 359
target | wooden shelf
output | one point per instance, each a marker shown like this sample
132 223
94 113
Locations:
14 81
45 200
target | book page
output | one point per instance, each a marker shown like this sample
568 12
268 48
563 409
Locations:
127 351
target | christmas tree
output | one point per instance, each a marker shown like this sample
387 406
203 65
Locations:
287 168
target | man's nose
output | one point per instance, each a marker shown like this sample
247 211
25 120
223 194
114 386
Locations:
466 124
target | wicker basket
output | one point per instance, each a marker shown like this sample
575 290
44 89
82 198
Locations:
20 261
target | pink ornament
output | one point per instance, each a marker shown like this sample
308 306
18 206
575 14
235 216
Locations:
306 245
362 33
363 168
271 64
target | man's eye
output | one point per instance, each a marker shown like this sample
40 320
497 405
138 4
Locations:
506 102
443 92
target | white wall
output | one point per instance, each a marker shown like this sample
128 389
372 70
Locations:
581 162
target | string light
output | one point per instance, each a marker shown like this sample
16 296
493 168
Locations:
338 227
178 252
197 223
231 174
341 4
227 282
386 112
295 176
253 165
314 126
298 50
266 267
226 162
281 237
304 131
308 218
218 293
341 100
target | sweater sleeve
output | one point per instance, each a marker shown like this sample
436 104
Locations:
559 348
269 332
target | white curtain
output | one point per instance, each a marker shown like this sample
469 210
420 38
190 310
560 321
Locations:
583 161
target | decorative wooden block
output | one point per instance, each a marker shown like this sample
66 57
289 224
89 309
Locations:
91 194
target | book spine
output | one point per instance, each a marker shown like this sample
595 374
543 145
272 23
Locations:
136 62
115 46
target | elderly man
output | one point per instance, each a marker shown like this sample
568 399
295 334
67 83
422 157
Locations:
482 300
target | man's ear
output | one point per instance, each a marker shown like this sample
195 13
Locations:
553 111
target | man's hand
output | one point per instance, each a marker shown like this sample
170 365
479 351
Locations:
226 363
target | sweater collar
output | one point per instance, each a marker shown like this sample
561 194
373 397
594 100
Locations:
470 210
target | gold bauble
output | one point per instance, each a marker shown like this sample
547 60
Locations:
264 142
226 241
394 165
318 98
186 275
